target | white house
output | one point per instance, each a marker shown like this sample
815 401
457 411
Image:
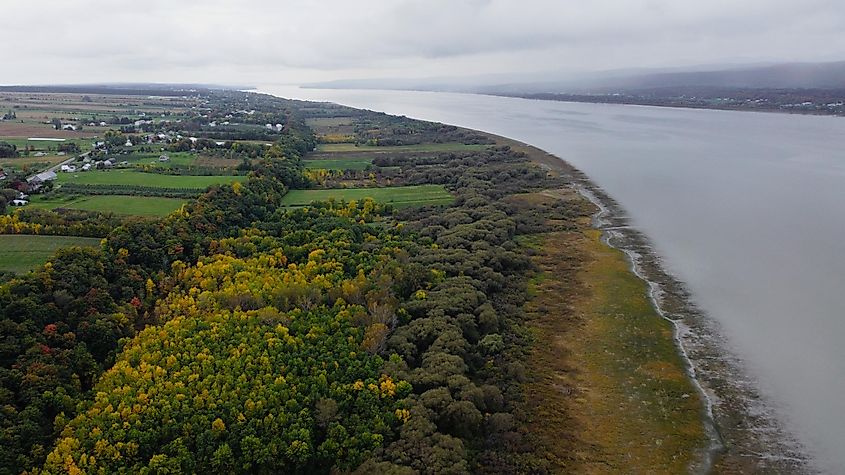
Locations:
164 158
86 167
128 143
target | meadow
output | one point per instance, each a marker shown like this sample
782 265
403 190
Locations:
417 195
125 205
20 253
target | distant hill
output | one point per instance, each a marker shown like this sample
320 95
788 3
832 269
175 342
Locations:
770 76
778 76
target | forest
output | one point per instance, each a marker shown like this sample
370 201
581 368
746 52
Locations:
239 335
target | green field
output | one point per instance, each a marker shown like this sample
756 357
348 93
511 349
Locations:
127 205
45 145
20 253
135 178
426 147
399 195
329 121
339 164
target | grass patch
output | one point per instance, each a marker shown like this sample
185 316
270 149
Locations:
426 147
329 121
20 253
125 205
135 178
399 196
604 365
339 164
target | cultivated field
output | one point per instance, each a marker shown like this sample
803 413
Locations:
125 205
428 147
135 178
339 164
418 195
20 253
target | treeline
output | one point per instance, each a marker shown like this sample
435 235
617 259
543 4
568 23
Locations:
59 222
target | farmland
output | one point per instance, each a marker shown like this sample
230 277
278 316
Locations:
399 196
124 205
135 178
20 253
339 163
32 162
428 147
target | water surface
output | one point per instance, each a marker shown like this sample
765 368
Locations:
748 209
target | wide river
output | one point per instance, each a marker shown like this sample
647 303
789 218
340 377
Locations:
747 209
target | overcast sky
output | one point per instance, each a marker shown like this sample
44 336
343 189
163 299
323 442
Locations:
290 41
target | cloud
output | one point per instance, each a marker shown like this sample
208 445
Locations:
48 41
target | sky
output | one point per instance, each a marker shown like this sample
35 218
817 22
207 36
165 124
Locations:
250 42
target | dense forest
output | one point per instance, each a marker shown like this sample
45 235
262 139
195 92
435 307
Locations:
238 335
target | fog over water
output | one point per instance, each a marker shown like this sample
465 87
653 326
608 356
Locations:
747 209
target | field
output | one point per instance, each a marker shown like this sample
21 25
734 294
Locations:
37 163
427 147
44 145
339 164
20 253
399 196
126 205
329 121
134 178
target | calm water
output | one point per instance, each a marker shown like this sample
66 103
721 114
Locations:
748 209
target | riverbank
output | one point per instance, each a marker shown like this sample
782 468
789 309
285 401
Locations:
734 429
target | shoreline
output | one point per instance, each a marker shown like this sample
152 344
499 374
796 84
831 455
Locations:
636 104
745 433
669 106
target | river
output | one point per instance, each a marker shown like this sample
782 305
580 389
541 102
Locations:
747 209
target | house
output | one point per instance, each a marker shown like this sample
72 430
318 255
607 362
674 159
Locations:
103 124
164 158
19 202
86 167
2 174
22 196
40 154
68 127
128 143
108 163
65 168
